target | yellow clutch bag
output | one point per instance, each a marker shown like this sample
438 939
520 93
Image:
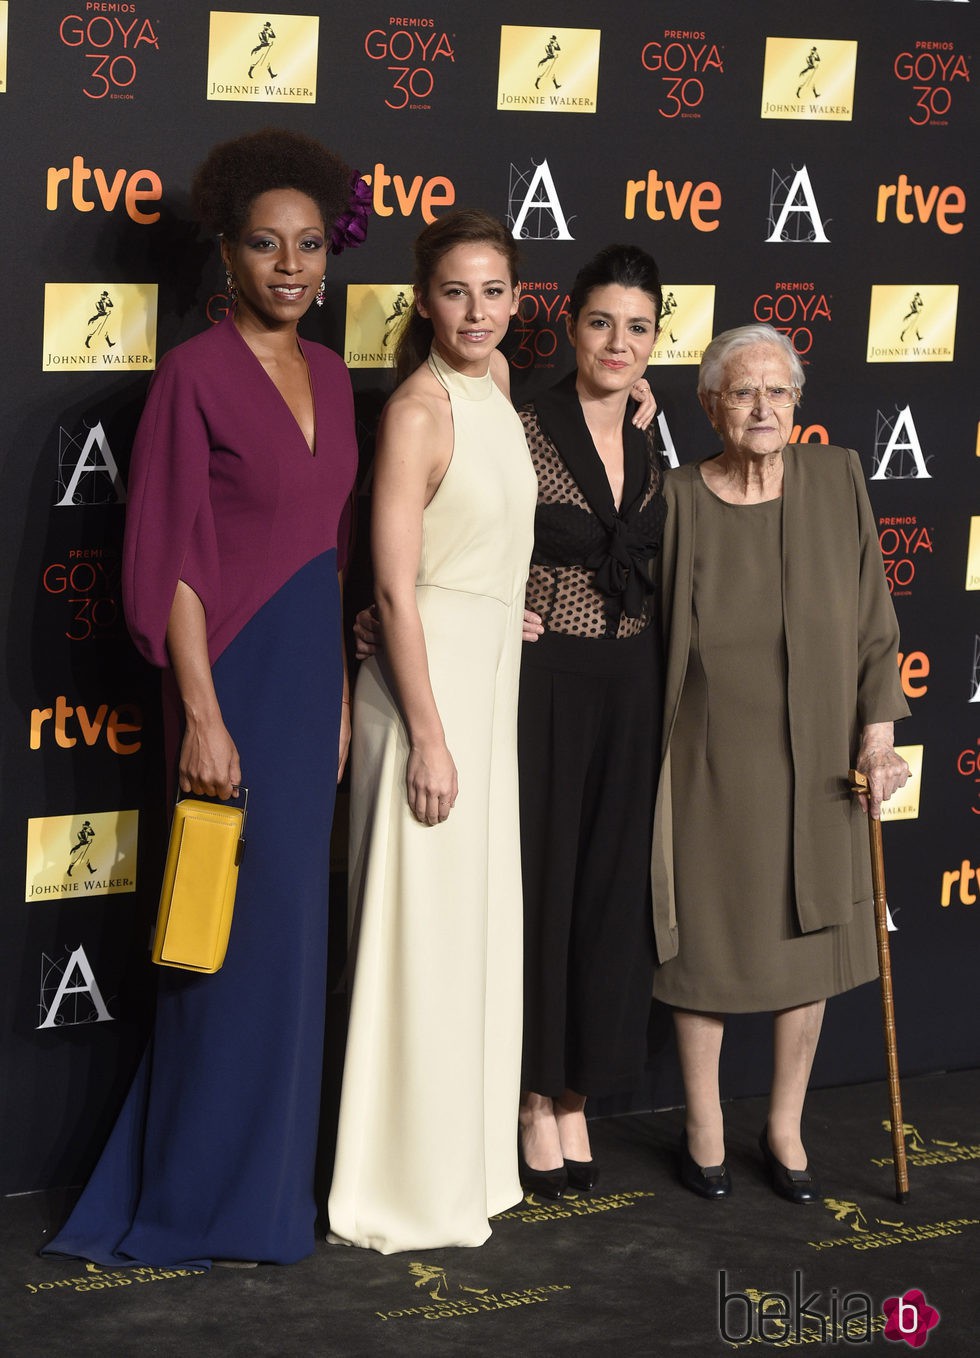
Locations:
207 841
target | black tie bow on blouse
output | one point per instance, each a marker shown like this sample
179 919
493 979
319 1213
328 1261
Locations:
623 564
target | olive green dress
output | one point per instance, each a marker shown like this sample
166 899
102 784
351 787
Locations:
741 948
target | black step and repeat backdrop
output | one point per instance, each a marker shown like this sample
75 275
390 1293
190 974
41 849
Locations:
812 168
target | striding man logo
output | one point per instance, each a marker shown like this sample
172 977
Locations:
261 54
98 322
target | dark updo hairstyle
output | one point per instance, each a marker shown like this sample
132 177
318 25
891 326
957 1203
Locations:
465 226
627 265
236 172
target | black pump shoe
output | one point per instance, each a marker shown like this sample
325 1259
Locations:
583 1175
708 1181
795 1185
547 1183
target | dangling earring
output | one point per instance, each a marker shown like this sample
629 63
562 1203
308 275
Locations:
321 291
230 287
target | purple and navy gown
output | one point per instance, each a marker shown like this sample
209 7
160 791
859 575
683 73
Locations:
212 1155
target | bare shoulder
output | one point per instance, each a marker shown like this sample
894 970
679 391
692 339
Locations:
416 424
419 405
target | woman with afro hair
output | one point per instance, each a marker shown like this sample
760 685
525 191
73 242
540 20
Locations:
242 466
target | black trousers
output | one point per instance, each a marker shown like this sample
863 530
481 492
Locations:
588 746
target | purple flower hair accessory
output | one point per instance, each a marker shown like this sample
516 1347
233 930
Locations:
350 228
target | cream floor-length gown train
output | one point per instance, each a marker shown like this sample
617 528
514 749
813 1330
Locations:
426 1147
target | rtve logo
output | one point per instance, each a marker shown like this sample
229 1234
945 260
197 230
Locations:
121 725
696 200
914 668
424 193
911 202
965 878
141 186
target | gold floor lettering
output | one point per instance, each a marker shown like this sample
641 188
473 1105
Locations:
900 1235
534 1211
123 1277
490 1301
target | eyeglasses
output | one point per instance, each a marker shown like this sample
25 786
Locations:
744 398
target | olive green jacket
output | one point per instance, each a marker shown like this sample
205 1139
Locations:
842 651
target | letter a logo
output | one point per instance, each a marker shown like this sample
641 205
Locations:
71 992
539 201
73 492
794 202
670 452
903 439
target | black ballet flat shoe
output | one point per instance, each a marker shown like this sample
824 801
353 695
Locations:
708 1181
795 1185
546 1183
583 1175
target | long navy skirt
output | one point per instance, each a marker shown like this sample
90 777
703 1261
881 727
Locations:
213 1152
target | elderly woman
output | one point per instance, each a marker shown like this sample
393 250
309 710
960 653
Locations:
781 674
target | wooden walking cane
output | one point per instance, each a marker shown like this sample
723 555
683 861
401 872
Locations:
860 784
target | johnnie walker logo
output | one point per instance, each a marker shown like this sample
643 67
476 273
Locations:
262 57
92 854
686 323
548 70
375 315
809 79
912 323
3 46
100 325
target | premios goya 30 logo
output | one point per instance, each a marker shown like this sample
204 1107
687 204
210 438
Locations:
111 39
375 314
548 70
796 309
411 52
91 853
809 79
263 58
912 323
906 544
686 323
81 590
686 64
99 325
539 326
934 73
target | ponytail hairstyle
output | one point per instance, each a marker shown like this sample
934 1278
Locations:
465 226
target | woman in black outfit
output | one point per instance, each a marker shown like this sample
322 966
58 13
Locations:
589 724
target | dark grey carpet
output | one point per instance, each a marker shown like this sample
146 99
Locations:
636 1269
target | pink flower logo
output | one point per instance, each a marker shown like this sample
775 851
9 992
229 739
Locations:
910 1318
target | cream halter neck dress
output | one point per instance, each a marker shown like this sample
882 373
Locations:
426 1148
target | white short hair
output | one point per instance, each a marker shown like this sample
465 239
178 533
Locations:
719 351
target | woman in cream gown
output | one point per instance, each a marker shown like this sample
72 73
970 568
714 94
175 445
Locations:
426 1149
